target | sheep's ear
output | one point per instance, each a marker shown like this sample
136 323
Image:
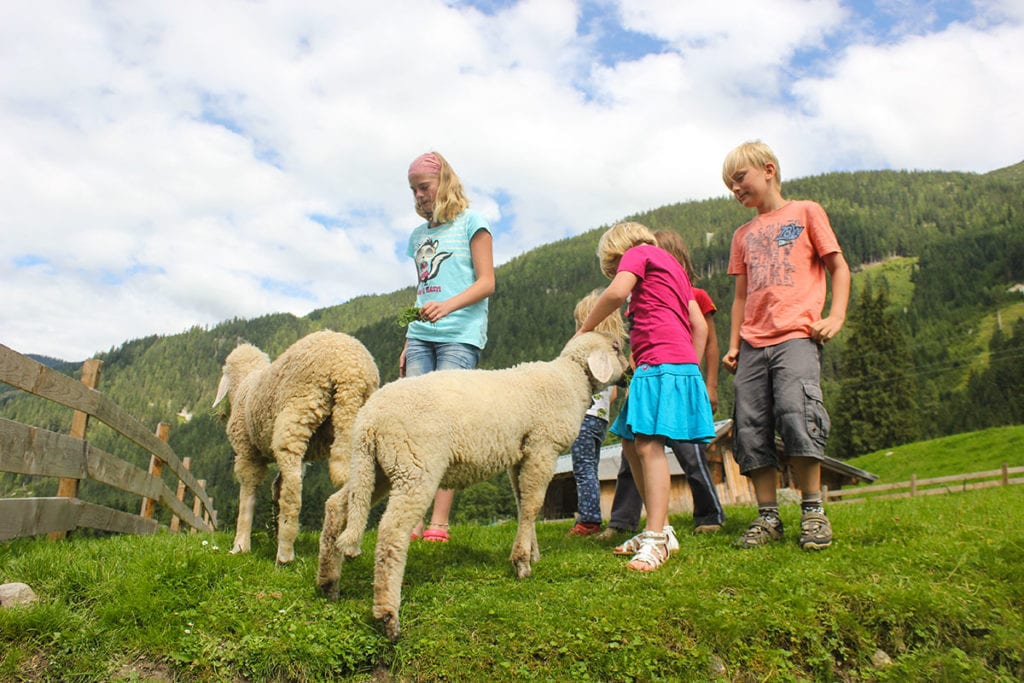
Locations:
222 390
602 365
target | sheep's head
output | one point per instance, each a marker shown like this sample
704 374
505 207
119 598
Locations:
239 364
599 355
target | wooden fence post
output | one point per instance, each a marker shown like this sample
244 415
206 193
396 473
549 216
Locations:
156 468
180 494
68 488
197 504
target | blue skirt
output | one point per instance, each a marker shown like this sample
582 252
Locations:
668 400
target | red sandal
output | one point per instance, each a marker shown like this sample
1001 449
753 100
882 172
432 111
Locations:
434 533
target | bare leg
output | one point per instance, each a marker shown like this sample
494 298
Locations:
635 465
442 507
807 472
765 481
657 480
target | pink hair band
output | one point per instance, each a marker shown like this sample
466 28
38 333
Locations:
425 163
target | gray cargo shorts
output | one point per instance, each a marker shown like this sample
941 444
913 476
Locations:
778 389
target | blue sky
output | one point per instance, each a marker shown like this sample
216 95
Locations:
167 165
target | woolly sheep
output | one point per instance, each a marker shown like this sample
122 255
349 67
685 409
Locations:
300 407
451 429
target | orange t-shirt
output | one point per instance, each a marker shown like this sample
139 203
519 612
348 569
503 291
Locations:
781 254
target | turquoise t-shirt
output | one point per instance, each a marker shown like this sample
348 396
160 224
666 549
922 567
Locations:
444 266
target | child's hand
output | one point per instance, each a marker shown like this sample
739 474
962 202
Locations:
826 328
731 360
433 311
713 398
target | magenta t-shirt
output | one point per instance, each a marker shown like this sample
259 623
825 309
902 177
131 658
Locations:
658 311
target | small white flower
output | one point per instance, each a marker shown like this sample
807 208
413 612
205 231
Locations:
206 543
280 611
216 548
188 631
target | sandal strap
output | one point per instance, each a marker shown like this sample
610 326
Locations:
653 549
629 547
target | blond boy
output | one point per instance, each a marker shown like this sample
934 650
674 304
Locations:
779 260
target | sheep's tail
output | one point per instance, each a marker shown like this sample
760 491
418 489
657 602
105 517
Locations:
362 479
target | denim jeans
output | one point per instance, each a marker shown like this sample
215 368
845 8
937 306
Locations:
422 357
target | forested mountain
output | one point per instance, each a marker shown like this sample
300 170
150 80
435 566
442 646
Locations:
944 248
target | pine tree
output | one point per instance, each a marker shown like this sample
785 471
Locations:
877 402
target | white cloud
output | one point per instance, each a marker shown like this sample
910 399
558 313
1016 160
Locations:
171 164
942 101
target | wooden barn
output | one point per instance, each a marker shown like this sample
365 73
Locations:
733 488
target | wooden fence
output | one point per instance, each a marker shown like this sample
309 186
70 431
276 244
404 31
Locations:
929 487
33 451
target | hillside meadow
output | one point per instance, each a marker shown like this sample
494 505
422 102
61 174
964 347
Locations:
946 248
920 589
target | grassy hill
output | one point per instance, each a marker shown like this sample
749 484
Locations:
946 246
919 589
971 452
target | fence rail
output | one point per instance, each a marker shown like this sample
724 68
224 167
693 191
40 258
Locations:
33 451
929 487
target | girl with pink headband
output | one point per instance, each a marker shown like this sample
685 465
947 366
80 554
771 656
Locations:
454 261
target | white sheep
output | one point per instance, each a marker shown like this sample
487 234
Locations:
300 407
451 429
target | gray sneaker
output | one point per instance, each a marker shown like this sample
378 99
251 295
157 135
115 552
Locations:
610 532
815 531
761 531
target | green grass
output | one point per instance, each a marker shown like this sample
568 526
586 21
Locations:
897 272
1007 317
935 583
959 454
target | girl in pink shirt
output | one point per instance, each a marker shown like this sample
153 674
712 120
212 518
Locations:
667 397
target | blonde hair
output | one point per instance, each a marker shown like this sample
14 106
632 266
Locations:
616 240
613 325
752 153
673 243
451 199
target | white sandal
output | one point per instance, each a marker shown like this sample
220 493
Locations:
653 551
632 546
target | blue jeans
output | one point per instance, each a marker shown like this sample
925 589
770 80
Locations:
422 357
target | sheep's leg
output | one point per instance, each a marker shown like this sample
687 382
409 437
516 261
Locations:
534 477
513 475
289 504
343 415
293 428
250 475
404 509
335 516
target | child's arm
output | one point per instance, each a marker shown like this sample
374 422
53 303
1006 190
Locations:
711 362
826 328
739 304
698 328
610 300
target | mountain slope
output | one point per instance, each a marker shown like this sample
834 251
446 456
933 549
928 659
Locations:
959 236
